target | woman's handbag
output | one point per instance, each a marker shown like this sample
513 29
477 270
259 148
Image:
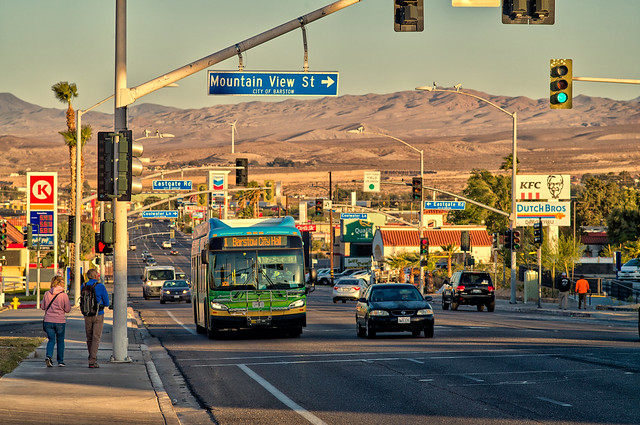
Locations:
47 309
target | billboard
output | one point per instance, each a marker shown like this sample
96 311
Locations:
551 213
534 187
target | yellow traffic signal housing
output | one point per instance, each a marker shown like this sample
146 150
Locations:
560 83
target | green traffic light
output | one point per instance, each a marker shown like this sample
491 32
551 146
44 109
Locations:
562 97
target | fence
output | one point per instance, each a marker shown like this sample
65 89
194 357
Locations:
11 284
623 291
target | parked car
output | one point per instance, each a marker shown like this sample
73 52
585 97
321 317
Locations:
470 288
324 276
175 290
394 307
630 270
349 289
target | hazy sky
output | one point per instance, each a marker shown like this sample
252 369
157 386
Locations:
44 41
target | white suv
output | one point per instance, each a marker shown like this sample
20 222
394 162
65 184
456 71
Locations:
166 244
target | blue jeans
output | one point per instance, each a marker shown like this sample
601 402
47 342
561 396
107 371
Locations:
55 333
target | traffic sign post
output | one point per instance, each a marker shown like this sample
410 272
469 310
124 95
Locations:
444 205
172 185
160 214
272 83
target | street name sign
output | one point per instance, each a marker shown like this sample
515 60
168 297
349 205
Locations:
353 216
444 205
272 83
551 213
172 185
160 214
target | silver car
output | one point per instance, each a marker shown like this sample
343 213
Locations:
349 289
630 270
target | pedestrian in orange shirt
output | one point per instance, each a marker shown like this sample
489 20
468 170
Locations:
582 287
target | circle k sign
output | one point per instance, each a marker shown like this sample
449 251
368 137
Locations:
42 189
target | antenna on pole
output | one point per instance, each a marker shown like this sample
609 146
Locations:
234 131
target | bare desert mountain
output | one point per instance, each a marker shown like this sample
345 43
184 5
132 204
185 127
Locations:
457 134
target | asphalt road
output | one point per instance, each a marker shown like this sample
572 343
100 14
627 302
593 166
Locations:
490 368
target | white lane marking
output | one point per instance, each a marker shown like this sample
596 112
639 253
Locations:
283 398
175 319
473 378
559 403
415 361
426 380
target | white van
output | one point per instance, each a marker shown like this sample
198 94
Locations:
154 277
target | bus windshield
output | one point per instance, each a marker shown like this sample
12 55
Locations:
251 270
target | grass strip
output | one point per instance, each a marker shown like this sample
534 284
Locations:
14 349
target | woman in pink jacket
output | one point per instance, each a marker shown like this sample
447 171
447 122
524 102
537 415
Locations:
56 304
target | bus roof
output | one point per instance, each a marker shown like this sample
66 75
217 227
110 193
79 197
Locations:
256 226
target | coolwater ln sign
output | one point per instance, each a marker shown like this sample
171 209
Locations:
265 83
356 216
160 214
444 205
543 186
172 185
551 213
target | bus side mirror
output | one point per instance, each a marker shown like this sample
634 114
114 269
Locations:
204 258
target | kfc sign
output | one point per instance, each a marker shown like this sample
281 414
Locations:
537 187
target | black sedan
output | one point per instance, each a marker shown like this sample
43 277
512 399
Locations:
175 290
394 307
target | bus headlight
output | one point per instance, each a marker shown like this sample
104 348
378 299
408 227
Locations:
218 306
297 304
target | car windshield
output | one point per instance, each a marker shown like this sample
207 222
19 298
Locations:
355 282
160 274
395 294
475 279
175 284
633 263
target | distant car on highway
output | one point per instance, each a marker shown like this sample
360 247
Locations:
151 261
394 307
145 254
132 247
174 252
349 289
175 290
166 245
630 270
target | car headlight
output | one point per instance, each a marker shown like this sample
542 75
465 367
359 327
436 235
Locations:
185 291
425 312
218 306
167 292
379 313
297 304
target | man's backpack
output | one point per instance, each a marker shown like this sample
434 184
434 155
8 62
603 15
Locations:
89 300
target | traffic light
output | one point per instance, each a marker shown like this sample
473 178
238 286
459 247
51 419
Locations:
101 247
416 188
72 229
531 12
560 83
4 242
319 206
270 191
538 235
105 166
408 15
107 233
424 246
27 236
242 173
465 241
507 239
515 240
129 166
495 240
202 197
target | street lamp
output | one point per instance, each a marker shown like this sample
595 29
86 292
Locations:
512 217
361 130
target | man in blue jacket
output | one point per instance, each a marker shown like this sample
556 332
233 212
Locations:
93 324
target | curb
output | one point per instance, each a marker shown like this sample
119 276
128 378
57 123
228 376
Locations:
164 402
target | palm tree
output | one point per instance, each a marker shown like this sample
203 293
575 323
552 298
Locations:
70 140
397 262
248 200
65 92
448 250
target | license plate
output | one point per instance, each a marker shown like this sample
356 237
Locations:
176 296
476 291
345 289
404 319
257 304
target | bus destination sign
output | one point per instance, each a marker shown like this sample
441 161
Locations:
254 241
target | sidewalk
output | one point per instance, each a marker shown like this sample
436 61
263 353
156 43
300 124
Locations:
115 393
